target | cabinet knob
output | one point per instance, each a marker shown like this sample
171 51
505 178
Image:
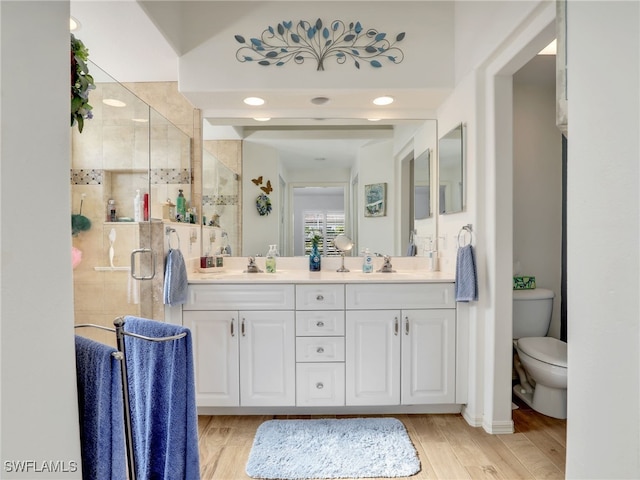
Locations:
320 297
320 350
320 323
319 385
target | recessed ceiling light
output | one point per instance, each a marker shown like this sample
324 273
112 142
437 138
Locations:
549 49
383 100
74 24
112 102
319 100
262 119
254 101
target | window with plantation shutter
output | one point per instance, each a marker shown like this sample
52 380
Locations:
328 224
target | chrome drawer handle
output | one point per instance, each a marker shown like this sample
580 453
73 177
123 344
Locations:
320 350
320 324
233 331
319 385
320 298
406 325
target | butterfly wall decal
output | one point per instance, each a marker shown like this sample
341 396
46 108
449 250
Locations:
257 181
268 188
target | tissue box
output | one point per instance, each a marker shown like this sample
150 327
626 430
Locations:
524 283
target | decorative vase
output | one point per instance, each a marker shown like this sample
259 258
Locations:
314 259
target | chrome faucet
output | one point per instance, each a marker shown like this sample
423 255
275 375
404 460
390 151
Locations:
386 265
252 267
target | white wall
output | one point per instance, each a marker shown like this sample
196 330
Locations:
537 179
603 231
39 415
375 165
258 232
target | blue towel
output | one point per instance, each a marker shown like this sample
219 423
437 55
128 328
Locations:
466 275
163 406
100 410
175 278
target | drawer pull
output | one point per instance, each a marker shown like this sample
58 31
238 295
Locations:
320 350
242 328
319 385
233 330
406 325
320 297
395 327
320 324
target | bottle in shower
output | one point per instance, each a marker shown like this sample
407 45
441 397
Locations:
181 209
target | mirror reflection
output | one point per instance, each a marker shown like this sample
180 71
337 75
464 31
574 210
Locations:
314 173
422 186
450 171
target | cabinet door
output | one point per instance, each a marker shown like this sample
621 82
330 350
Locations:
215 352
373 357
428 356
267 358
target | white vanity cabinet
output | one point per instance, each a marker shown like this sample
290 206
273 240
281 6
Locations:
320 346
243 343
400 344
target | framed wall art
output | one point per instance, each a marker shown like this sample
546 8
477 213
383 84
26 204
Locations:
375 200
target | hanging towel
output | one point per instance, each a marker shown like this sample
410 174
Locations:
101 413
164 420
175 278
466 275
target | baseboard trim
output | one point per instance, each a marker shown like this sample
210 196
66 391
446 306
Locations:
497 428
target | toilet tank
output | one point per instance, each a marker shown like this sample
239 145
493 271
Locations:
532 312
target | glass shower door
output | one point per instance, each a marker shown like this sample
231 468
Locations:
114 162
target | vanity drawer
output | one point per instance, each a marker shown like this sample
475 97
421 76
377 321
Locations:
240 297
320 384
320 349
320 297
323 323
387 296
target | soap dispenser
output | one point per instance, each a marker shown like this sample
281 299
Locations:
367 263
270 261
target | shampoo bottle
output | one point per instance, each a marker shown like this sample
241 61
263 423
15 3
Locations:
367 263
181 209
271 259
137 207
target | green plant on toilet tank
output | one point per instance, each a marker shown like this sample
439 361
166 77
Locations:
81 83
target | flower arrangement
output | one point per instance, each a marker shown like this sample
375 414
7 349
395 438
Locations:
81 83
316 239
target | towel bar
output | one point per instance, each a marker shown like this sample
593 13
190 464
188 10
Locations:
121 355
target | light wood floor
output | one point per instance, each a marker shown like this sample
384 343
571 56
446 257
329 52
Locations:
447 446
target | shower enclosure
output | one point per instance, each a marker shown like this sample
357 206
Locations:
127 148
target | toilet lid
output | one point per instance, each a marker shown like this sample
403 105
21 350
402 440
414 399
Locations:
546 349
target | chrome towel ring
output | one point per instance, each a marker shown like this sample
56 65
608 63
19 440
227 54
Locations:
462 234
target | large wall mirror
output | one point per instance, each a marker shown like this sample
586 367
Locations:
451 193
314 174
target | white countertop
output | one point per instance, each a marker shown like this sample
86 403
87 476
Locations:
296 270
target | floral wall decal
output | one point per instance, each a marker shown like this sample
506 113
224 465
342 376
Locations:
278 46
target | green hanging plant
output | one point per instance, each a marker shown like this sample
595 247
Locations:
81 83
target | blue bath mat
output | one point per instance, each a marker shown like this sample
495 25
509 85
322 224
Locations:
332 448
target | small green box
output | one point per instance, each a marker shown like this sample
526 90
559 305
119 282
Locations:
524 283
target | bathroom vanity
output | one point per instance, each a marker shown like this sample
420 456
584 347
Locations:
325 342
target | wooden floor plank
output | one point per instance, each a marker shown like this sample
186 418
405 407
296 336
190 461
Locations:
447 446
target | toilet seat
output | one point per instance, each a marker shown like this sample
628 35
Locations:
545 349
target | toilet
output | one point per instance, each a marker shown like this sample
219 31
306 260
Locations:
541 361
